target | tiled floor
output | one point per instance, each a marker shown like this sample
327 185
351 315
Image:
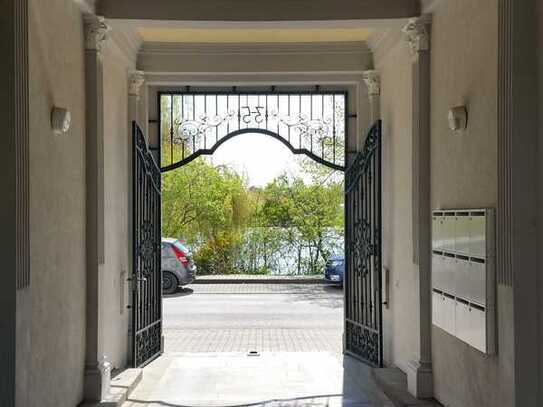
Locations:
275 379
297 330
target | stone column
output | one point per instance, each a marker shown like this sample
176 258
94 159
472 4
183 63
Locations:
95 38
417 36
372 80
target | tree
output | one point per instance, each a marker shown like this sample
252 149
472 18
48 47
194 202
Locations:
308 212
199 201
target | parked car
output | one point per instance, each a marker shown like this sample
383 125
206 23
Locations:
177 266
334 270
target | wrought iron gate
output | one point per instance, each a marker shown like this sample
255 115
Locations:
363 302
196 123
146 260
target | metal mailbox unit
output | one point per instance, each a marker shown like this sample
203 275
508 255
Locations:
463 275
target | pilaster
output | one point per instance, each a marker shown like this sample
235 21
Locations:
96 33
372 79
417 36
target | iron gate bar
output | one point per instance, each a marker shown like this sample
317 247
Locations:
363 253
146 254
258 119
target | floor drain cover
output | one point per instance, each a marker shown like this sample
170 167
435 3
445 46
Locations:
253 353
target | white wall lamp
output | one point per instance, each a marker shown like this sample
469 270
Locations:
60 120
458 118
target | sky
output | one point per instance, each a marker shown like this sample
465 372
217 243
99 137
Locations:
259 157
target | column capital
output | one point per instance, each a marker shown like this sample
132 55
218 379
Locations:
372 79
417 35
136 80
96 31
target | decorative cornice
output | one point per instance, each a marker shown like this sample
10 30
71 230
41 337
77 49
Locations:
96 32
417 35
256 48
137 78
372 79
126 43
86 6
429 6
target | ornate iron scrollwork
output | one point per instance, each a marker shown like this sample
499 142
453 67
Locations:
363 252
196 123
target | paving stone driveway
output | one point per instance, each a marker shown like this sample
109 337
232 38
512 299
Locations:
261 317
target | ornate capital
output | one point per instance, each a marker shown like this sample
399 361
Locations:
137 78
417 35
372 79
96 31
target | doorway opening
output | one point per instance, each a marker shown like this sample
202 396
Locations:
313 124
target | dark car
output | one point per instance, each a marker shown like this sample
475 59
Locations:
177 266
335 268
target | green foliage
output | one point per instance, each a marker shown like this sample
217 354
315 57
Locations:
200 201
217 255
308 212
289 224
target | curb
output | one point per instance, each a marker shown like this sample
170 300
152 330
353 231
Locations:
309 280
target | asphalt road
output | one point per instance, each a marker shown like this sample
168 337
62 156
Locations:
263 317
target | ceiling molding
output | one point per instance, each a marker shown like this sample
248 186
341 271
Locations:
166 48
325 24
382 44
86 6
429 6
127 41
249 79
258 10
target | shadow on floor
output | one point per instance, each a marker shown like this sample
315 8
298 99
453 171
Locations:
275 379
181 292
313 401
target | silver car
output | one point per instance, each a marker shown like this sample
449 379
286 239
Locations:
177 266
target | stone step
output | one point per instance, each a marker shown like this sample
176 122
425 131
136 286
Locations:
122 386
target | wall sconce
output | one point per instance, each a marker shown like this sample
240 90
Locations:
60 120
458 118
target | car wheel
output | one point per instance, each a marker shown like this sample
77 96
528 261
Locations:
169 283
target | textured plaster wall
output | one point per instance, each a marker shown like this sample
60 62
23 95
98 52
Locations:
117 159
464 174
401 318
51 313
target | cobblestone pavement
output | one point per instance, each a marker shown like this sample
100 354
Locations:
320 290
257 277
261 317
259 339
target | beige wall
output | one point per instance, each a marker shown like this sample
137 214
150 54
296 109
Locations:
464 174
117 161
400 319
51 313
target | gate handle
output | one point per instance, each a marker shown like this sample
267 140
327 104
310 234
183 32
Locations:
139 279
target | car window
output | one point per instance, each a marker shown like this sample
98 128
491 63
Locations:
181 247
